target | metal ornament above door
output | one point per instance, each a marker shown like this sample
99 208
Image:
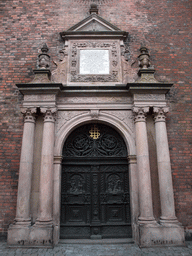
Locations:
95 185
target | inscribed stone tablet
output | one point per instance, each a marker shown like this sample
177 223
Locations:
94 62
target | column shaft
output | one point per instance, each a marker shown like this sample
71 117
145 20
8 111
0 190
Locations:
164 167
25 171
143 166
46 173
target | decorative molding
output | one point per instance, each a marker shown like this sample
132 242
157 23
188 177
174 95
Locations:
132 159
160 114
147 78
123 115
41 78
40 97
94 100
58 159
149 96
114 54
140 114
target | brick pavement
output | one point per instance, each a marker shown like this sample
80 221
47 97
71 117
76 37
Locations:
96 250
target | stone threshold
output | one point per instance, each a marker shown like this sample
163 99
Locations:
97 241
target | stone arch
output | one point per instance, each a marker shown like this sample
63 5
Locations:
105 118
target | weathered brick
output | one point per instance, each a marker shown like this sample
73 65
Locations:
164 26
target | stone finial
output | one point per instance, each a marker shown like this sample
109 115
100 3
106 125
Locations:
42 73
93 9
146 71
144 58
44 58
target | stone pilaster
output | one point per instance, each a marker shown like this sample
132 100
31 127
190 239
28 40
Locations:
56 198
164 168
134 195
143 167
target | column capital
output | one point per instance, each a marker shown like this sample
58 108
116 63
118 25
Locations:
140 113
160 113
49 114
29 114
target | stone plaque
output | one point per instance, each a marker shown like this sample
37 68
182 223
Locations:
94 62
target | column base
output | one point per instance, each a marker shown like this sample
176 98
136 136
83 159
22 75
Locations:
160 235
30 236
169 221
147 221
18 235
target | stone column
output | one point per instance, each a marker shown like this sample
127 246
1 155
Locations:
143 167
164 167
25 170
46 173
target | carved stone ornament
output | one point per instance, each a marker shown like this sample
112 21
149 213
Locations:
59 75
144 61
29 114
42 73
147 77
125 56
146 72
43 58
160 114
64 116
94 113
123 115
140 113
49 114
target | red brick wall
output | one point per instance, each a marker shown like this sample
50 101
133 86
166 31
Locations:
162 25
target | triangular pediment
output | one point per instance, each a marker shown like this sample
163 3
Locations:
93 23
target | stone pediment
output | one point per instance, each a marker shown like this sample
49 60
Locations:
94 23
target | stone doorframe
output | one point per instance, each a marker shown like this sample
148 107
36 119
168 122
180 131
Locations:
59 143
48 98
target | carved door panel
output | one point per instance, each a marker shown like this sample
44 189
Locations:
75 202
95 185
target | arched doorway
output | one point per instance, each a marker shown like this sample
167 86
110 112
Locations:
95 201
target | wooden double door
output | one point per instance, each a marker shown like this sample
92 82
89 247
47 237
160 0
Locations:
95 199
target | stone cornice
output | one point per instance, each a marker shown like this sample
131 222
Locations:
36 88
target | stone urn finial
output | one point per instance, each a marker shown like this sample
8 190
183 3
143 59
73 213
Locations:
144 58
44 58
146 71
93 9
42 73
